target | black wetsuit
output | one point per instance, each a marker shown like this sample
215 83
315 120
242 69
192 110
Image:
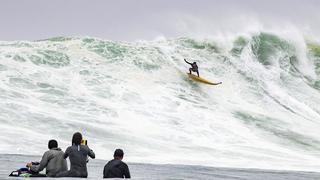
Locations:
194 67
78 155
116 169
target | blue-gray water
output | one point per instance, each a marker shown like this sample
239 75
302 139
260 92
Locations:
138 97
9 163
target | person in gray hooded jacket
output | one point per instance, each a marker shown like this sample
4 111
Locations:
52 160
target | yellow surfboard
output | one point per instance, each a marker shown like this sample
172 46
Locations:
199 79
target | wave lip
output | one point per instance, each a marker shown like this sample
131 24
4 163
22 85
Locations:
137 96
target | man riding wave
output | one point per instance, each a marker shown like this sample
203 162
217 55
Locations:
194 67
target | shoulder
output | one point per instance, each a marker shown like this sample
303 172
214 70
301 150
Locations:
85 147
69 149
45 154
59 151
108 163
124 164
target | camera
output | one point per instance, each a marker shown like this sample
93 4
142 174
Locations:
84 142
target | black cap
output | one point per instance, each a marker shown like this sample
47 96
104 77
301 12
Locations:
52 144
118 153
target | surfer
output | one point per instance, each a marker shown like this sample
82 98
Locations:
78 155
116 168
194 67
52 160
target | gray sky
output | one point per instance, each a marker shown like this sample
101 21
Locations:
131 20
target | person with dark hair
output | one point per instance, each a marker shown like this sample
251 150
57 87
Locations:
78 156
194 67
116 168
52 160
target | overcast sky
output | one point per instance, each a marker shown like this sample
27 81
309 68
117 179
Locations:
129 20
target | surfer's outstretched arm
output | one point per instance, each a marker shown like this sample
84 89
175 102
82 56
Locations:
187 62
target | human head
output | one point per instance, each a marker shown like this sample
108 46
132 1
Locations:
194 63
118 154
52 144
76 138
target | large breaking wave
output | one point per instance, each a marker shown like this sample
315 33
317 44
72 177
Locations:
136 96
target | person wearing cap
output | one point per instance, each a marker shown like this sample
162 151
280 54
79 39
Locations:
116 168
52 160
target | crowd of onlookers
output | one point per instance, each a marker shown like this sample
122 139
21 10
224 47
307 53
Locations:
54 161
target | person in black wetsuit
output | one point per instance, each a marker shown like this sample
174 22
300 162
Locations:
116 168
194 67
78 155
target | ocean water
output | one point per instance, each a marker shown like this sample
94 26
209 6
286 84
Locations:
137 96
164 171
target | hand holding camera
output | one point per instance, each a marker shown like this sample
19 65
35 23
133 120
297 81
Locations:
84 142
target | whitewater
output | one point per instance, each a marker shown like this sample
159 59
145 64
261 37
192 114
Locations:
138 97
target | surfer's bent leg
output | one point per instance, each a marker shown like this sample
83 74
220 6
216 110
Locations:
190 70
198 73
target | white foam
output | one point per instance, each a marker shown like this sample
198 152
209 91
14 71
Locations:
143 102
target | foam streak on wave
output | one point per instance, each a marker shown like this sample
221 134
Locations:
137 96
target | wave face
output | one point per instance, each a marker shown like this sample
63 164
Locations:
136 96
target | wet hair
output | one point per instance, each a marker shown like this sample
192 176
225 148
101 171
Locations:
118 153
52 144
194 62
76 138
